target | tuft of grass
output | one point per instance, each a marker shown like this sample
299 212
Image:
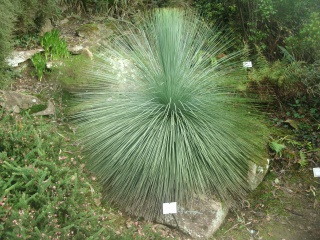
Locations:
156 122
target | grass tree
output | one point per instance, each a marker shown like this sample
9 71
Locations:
157 124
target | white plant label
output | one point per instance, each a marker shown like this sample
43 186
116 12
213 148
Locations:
316 172
247 64
169 208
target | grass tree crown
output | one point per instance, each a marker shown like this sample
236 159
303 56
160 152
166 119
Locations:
156 124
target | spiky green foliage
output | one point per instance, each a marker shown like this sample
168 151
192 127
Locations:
157 127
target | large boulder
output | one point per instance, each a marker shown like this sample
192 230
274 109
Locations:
200 219
14 101
203 217
18 57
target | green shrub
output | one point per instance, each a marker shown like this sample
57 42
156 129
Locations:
31 15
7 25
43 192
264 22
112 7
39 63
305 45
311 79
156 123
281 78
286 79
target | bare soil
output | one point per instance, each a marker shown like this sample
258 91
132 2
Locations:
285 206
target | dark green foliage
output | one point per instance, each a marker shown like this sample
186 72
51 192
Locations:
42 193
305 44
31 15
157 125
284 79
264 22
119 8
113 7
7 17
18 18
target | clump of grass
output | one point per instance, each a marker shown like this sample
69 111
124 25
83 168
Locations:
157 125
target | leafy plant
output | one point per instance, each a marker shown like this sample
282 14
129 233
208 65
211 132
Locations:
54 48
156 123
39 63
281 78
264 22
277 147
304 44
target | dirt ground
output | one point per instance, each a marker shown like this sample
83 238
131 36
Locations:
284 207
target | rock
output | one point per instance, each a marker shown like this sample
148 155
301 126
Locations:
94 35
16 109
199 220
21 56
54 63
203 217
76 50
257 173
87 52
293 123
50 110
47 27
88 30
63 21
15 101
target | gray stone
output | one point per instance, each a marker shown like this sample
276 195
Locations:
87 52
15 101
21 56
93 35
54 64
200 219
76 50
257 173
50 110
16 109
88 30
63 21
203 216
47 27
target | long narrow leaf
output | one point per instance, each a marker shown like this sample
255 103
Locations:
156 125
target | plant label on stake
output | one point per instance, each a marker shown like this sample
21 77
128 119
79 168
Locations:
247 64
170 208
316 172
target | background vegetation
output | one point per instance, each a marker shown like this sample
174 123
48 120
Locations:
41 185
